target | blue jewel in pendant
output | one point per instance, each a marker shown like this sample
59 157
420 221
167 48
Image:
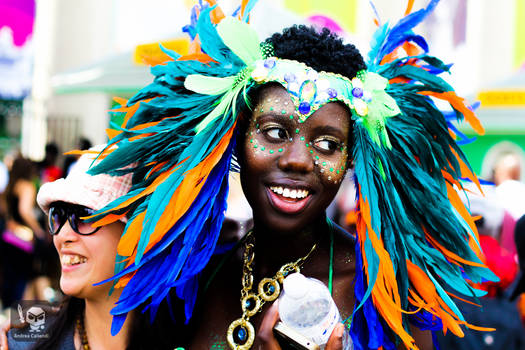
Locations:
242 334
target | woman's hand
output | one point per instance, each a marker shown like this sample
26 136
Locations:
269 342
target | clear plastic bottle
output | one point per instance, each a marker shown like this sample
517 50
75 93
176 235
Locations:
307 306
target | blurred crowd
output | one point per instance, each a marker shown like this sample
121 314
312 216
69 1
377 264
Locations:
29 265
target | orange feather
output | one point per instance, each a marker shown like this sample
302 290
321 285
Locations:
385 291
128 241
454 257
188 190
459 104
410 5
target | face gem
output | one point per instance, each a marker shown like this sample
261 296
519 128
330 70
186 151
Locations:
304 108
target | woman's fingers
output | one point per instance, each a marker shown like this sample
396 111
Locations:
335 342
265 333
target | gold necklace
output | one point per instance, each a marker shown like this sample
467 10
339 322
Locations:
241 334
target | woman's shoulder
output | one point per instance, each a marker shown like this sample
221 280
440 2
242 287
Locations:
342 236
23 185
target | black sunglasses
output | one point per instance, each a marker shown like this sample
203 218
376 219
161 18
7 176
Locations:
60 212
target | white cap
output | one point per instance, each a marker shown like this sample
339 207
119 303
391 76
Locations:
295 285
79 187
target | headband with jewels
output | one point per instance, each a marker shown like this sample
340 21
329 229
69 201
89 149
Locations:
417 246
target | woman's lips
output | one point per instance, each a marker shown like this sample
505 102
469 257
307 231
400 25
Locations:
71 262
288 205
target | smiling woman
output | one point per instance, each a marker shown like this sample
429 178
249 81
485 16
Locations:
293 114
87 255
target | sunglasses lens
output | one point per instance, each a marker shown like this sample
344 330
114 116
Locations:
56 219
79 225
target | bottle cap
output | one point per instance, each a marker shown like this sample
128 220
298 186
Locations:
295 285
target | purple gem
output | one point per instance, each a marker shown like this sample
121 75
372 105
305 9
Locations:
269 64
332 93
304 108
289 77
357 92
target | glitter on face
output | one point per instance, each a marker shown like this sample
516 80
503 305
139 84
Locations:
268 116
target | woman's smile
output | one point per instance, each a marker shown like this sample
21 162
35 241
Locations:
288 199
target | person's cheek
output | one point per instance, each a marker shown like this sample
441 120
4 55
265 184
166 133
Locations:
332 169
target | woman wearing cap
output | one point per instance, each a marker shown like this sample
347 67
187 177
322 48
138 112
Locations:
87 255
294 113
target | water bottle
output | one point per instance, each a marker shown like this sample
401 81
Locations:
307 306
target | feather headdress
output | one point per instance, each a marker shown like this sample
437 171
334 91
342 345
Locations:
416 241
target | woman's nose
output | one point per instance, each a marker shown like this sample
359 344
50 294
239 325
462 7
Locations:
296 157
65 234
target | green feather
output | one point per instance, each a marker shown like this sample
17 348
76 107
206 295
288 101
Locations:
241 38
207 85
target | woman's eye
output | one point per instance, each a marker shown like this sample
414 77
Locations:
276 134
326 145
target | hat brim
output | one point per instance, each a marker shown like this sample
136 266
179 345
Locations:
64 191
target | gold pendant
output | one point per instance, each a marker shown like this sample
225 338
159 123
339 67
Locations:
269 289
250 304
244 332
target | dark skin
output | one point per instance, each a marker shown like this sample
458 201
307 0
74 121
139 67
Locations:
305 158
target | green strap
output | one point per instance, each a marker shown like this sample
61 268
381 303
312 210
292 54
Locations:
331 266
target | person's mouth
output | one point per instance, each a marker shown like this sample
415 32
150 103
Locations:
70 262
288 199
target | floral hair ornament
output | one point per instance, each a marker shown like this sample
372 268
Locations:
309 89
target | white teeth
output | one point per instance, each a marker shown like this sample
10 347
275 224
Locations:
289 192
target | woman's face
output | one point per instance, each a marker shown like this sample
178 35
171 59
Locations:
86 260
291 171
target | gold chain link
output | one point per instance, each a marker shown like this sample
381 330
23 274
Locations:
260 298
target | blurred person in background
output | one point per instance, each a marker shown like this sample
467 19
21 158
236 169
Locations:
21 235
509 333
87 256
508 193
509 189
518 288
71 159
47 168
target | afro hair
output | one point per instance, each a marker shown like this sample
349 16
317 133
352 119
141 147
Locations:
320 50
